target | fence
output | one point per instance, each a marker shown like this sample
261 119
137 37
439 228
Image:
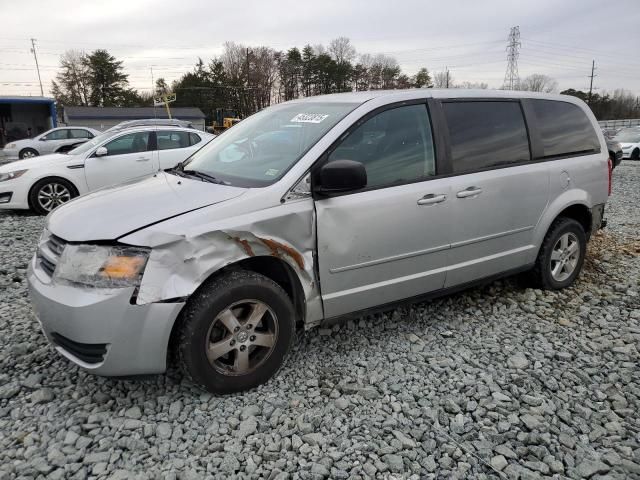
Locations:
620 123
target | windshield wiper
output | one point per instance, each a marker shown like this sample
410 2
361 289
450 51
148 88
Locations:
205 177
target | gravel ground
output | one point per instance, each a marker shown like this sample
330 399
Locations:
496 382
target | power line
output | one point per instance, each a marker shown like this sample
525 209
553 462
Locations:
511 76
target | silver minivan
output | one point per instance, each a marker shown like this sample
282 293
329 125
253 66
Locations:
314 210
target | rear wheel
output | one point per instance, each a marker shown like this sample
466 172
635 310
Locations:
27 153
50 193
561 255
236 332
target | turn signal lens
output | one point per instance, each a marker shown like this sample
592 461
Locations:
123 267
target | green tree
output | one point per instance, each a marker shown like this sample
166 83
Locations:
107 81
422 79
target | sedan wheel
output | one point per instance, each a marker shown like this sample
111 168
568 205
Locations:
28 153
52 195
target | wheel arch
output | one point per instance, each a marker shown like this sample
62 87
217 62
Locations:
50 177
274 268
572 204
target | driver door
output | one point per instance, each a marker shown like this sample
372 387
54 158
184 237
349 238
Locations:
388 241
53 140
128 156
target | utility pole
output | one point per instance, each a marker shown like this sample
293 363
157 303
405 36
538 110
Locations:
593 68
33 50
446 69
511 76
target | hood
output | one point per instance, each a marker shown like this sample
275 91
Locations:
35 162
112 212
625 145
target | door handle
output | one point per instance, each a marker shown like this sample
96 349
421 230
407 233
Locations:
432 199
469 192
143 159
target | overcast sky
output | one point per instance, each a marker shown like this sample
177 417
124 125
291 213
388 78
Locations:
559 37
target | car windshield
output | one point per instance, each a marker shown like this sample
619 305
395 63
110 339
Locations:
628 136
94 142
260 150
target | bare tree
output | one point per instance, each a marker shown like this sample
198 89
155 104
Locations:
72 86
341 50
538 83
475 85
443 80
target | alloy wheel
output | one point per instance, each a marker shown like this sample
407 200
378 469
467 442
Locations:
564 257
53 195
241 337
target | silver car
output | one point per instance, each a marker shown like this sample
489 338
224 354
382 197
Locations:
56 140
312 211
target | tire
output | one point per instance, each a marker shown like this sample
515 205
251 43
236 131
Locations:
219 347
58 190
552 252
28 153
635 155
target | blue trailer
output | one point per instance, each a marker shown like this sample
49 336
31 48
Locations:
22 117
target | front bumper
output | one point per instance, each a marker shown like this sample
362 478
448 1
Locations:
100 330
8 155
17 191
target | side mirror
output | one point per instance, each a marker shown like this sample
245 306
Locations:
101 151
341 176
43 139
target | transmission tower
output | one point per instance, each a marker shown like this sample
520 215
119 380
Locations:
511 77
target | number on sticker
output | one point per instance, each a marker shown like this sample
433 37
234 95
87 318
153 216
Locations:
309 118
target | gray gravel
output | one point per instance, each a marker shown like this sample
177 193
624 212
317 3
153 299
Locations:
497 382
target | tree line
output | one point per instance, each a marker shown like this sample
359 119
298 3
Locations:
243 80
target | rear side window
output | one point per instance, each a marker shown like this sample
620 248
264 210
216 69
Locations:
565 129
486 134
194 138
78 133
168 140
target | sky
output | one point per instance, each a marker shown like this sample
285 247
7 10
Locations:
559 38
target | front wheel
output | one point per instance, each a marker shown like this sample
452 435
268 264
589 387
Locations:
561 255
27 153
50 193
635 155
235 332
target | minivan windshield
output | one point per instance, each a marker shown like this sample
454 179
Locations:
95 141
260 150
628 136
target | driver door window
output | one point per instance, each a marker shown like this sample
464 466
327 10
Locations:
56 135
395 146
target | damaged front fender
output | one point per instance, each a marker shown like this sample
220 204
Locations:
180 262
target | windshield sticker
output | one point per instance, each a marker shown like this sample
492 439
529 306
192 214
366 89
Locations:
309 118
272 172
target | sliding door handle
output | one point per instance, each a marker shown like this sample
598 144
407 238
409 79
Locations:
469 192
432 199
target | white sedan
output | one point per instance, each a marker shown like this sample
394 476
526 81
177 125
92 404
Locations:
56 140
43 183
629 139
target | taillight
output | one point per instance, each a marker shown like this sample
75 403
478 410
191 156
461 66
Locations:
610 168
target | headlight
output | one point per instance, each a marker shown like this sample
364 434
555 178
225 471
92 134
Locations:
11 175
10 145
102 266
